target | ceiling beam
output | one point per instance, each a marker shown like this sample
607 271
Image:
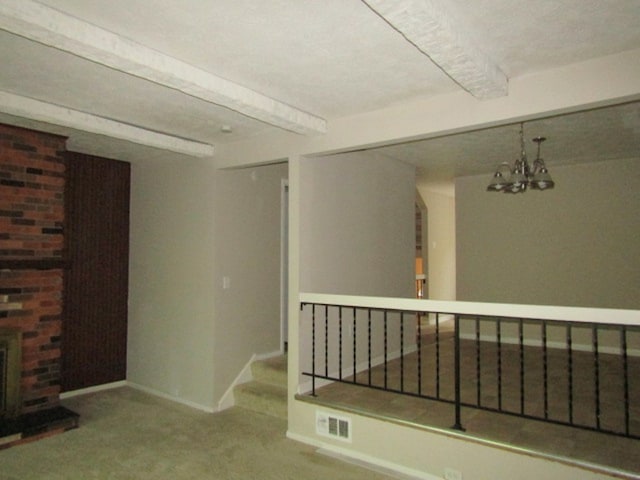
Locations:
66 117
430 29
50 27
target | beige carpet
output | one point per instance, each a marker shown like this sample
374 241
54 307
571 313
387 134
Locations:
126 434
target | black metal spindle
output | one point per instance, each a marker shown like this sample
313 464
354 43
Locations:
340 342
478 368
313 350
437 355
499 355
545 370
385 349
570 371
326 340
625 380
458 401
419 356
402 352
369 344
521 343
596 372
355 344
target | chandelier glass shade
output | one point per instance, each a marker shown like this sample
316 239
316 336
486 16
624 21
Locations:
521 176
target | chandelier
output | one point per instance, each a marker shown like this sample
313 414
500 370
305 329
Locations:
521 176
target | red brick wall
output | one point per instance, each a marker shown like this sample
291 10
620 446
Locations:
32 177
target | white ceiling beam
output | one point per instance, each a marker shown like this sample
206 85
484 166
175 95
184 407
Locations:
66 117
50 27
430 29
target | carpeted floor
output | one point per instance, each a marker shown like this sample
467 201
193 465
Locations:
126 434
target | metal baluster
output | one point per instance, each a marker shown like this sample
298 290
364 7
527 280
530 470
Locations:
369 343
385 349
340 342
355 336
521 341
625 367
438 355
326 340
545 368
499 346
402 352
596 372
570 371
419 357
478 368
458 416
313 350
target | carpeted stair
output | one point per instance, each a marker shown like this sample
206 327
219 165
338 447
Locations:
267 392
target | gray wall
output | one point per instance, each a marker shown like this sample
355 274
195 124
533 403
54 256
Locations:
192 225
171 309
357 222
357 237
247 249
576 245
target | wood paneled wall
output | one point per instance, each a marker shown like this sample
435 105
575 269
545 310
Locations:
96 284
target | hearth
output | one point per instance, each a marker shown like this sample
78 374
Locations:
10 372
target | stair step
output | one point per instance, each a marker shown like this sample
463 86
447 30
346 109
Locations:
262 397
272 371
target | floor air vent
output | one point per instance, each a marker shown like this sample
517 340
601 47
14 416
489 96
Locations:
334 426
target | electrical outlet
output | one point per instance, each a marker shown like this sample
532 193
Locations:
451 474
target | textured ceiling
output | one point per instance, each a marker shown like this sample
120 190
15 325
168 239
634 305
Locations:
610 133
328 59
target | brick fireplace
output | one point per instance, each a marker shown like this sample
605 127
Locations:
32 266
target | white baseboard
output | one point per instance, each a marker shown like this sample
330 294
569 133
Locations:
93 389
166 396
227 400
265 356
363 460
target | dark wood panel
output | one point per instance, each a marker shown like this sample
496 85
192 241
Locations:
96 284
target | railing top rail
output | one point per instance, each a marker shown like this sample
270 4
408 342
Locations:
540 312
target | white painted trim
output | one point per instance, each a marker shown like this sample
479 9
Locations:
58 30
66 117
125 383
266 356
93 389
541 312
157 393
362 459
